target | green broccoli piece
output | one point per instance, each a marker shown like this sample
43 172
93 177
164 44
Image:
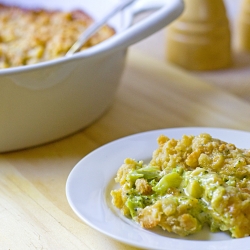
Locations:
133 203
148 173
167 181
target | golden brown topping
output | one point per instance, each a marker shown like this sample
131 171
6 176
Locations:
143 187
31 36
191 182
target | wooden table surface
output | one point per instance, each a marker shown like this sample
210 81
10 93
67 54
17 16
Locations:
152 94
35 213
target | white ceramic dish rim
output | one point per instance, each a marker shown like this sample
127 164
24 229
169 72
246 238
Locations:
167 11
85 183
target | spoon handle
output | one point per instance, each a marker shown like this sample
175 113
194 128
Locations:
97 25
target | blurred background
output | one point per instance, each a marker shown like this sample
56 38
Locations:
234 78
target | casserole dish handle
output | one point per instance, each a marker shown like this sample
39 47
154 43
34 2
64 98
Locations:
167 11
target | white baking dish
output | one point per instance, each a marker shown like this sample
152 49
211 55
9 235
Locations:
46 101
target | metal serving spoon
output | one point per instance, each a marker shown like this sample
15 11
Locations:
97 25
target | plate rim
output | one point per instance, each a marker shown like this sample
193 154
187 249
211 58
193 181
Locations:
205 244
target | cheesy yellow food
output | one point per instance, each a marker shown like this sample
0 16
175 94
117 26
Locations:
31 36
189 183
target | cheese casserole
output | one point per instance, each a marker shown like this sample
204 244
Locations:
31 36
189 183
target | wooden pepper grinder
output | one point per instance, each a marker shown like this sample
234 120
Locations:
200 38
244 26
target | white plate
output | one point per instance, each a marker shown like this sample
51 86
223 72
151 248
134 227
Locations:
90 182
